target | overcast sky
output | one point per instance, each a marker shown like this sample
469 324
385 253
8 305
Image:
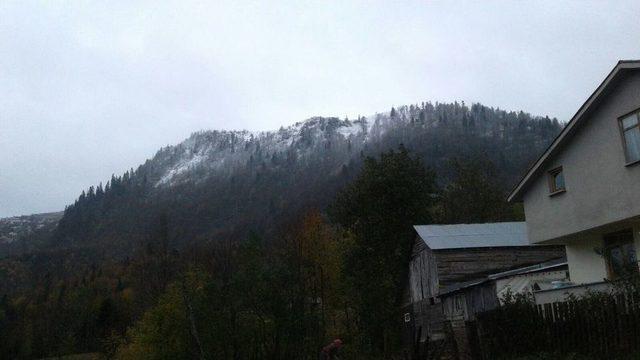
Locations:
90 89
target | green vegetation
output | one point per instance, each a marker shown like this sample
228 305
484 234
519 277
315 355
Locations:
321 278
378 210
250 266
595 325
262 184
475 196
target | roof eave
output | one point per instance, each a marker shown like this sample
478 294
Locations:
517 192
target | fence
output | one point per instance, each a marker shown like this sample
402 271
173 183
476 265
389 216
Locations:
598 326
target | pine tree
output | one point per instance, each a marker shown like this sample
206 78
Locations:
474 195
379 208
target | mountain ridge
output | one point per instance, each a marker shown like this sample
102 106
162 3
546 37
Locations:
225 183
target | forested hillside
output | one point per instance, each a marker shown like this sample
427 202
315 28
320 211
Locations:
223 184
238 245
20 234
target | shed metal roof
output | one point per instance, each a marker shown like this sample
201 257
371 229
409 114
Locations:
460 236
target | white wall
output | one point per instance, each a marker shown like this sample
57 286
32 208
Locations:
585 265
600 188
636 238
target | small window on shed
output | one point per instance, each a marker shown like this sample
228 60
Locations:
556 181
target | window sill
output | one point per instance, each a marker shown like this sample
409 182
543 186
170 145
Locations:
631 163
558 192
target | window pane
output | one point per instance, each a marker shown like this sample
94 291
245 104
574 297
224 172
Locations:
616 261
558 180
632 140
630 121
621 254
624 262
630 256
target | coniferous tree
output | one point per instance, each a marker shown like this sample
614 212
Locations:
475 195
391 194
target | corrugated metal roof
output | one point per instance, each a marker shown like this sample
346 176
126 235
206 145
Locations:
460 236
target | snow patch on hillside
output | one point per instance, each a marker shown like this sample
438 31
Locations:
182 167
213 149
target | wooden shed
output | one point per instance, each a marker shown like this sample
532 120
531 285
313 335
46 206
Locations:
461 302
444 255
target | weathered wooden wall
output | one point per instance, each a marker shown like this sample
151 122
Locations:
429 318
430 270
423 273
458 265
423 291
464 304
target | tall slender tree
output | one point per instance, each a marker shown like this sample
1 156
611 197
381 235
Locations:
391 194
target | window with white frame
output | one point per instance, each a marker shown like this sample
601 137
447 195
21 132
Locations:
631 136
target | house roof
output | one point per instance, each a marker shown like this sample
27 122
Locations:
460 236
569 130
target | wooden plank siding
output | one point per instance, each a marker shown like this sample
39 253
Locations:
458 265
428 320
463 305
423 273
431 270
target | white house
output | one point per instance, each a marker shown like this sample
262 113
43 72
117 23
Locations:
584 190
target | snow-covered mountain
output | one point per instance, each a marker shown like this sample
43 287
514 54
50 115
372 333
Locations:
16 227
218 153
20 234
218 184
